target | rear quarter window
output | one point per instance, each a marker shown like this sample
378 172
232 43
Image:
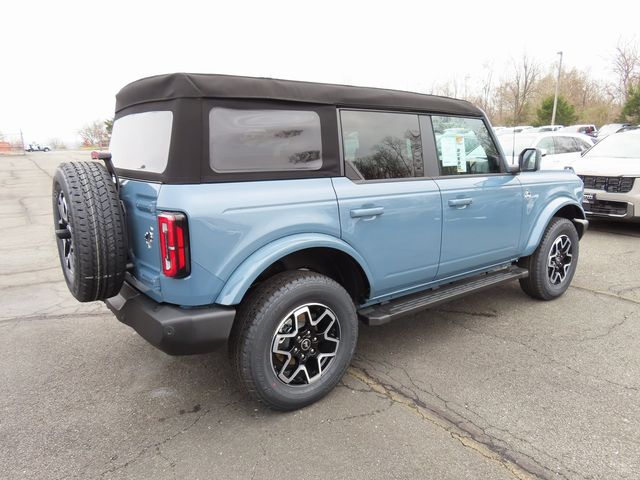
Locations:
264 140
140 141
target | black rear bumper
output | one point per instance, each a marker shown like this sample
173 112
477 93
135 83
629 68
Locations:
174 330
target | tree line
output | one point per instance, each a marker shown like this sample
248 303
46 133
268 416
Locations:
524 95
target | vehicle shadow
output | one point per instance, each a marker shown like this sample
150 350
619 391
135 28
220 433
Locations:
614 227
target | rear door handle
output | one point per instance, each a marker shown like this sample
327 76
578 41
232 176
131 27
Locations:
367 212
460 202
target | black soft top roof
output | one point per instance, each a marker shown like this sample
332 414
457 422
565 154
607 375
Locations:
197 85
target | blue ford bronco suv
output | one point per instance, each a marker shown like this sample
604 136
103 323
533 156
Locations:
275 215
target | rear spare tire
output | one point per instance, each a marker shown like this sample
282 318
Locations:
90 230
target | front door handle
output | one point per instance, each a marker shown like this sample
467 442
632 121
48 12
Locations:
367 212
460 202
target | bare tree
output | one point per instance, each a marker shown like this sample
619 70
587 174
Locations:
57 144
486 98
519 89
626 65
94 134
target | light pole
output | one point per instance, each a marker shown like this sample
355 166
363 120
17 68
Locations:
555 98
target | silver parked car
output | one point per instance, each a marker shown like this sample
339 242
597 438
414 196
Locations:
559 149
610 128
610 172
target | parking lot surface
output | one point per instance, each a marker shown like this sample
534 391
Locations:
496 385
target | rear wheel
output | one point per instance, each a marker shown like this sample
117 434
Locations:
90 230
293 338
553 264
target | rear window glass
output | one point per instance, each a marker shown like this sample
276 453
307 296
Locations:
140 141
264 140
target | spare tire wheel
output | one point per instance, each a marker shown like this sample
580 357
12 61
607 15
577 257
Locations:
90 230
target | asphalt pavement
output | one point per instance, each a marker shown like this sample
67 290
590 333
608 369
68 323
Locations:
495 386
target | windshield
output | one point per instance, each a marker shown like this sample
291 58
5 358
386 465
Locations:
521 142
618 145
612 127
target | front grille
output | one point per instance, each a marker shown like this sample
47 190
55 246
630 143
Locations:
608 184
604 207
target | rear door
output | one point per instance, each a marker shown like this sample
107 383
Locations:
389 211
482 203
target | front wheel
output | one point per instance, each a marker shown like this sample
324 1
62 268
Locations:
293 339
553 264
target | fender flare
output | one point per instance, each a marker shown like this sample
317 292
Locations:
246 273
543 220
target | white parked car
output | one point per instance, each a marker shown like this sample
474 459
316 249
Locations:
549 128
559 149
610 128
36 147
610 172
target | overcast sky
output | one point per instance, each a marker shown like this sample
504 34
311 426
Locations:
62 62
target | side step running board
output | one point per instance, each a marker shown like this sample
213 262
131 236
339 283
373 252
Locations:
385 312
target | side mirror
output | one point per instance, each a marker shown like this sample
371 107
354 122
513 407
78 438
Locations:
529 160
543 152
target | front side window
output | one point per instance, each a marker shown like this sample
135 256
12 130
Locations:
264 140
464 146
380 145
548 145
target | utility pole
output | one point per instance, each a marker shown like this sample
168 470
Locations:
22 142
555 98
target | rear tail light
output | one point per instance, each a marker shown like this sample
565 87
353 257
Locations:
174 244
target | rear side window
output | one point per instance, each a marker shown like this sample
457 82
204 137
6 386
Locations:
140 141
381 145
566 145
264 140
464 146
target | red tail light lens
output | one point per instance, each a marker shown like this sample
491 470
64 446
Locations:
174 244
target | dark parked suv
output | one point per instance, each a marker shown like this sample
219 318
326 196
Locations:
277 214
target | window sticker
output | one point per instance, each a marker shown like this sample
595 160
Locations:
351 145
449 151
461 155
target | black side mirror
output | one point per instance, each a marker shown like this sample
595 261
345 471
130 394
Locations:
529 160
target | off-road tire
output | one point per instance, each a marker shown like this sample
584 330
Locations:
257 319
538 284
96 226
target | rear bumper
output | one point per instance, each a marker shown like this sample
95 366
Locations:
174 330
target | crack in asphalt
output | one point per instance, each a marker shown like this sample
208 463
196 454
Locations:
21 272
518 464
158 445
25 210
607 294
549 357
32 284
464 312
63 316
454 416
40 168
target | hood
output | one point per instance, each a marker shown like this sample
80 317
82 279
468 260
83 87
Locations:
607 166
